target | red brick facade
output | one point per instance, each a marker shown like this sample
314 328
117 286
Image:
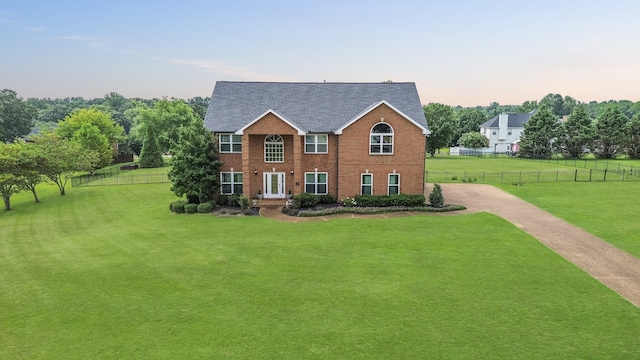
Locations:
347 157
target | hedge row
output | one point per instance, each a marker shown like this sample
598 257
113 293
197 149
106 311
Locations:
389 200
369 210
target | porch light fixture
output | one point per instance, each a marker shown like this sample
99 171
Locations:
291 172
255 171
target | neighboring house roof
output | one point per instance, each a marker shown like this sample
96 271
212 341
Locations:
515 120
308 107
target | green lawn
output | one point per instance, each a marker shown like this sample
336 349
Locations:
109 272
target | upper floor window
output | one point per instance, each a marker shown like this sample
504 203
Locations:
381 139
315 144
230 143
273 148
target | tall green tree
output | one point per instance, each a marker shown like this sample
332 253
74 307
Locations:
16 116
528 106
195 164
62 158
633 132
577 133
91 139
611 135
538 140
10 179
151 155
92 116
30 162
442 124
469 120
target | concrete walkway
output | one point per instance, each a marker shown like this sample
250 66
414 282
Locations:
611 266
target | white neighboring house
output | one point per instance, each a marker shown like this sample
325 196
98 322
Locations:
504 130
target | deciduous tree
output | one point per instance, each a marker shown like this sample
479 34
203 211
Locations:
10 180
577 133
469 120
540 134
633 132
474 140
442 124
16 116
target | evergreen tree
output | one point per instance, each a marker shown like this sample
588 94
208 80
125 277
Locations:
577 133
611 133
151 155
633 132
435 198
540 134
195 165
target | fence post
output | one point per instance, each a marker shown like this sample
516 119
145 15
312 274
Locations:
590 172
538 175
556 175
520 178
605 172
575 177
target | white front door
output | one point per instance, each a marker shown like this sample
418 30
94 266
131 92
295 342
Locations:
274 185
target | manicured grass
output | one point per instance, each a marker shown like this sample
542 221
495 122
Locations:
608 210
109 272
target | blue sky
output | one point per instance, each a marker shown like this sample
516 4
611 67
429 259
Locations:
458 52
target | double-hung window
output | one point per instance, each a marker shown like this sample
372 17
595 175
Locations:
381 140
231 183
394 184
315 144
230 143
315 183
366 184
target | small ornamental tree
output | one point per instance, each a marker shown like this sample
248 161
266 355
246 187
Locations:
195 166
62 158
474 140
151 155
435 198
10 180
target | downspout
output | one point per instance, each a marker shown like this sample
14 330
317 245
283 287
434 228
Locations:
337 166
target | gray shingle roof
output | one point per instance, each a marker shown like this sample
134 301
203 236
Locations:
515 120
313 107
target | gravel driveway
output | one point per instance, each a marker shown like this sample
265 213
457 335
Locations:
611 266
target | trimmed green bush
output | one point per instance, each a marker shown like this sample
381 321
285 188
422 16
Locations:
205 208
326 199
389 200
191 208
178 206
243 202
371 210
305 200
435 198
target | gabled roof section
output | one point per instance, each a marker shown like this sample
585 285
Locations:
281 117
514 120
308 107
338 131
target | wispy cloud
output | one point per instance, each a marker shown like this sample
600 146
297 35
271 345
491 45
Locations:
244 72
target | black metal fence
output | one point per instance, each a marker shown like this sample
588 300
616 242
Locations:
120 178
540 176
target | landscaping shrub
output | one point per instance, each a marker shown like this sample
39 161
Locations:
326 199
370 210
435 198
243 202
389 200
205 208
223 200
178 206
305 200
191 208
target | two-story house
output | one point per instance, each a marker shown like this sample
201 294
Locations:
504 130
342 139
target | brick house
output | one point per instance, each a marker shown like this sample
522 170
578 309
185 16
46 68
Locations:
342 139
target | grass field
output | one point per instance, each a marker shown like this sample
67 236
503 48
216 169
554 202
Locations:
109 272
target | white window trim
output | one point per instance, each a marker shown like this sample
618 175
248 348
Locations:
315 175
389 183
315 144
363 184
232 183
275 143
381 135
231 142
